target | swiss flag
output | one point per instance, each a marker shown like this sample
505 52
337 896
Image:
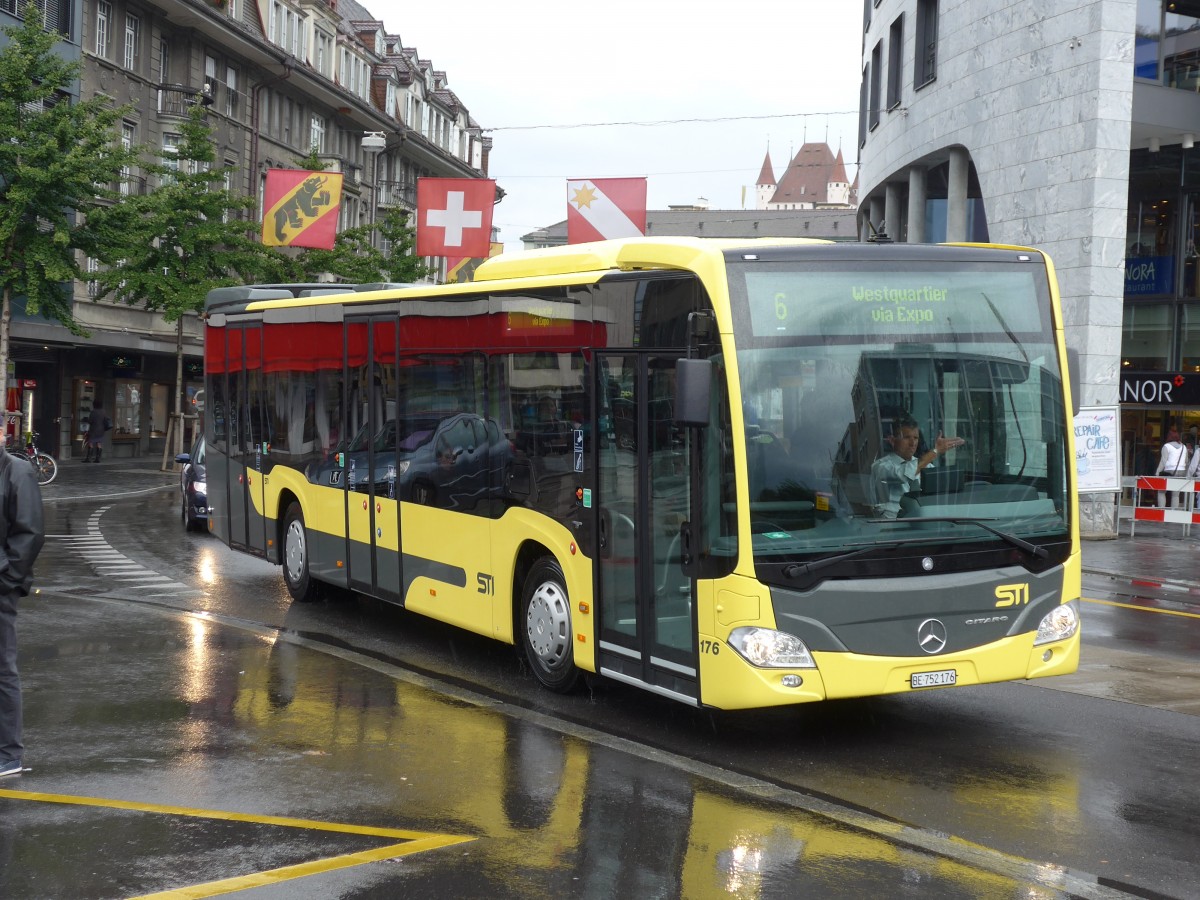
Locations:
603 208
454 216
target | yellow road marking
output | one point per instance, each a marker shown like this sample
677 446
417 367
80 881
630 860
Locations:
411 842
1153 609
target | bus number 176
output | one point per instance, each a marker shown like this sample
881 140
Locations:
713 647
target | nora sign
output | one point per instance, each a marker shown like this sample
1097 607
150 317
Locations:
1160 388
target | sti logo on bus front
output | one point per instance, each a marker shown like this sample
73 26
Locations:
1012 595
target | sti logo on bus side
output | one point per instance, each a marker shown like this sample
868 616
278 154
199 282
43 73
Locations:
1012 595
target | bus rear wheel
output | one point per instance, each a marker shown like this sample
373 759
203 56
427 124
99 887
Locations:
300 583
546 626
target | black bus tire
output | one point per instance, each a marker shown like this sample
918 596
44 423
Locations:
300 584
545 626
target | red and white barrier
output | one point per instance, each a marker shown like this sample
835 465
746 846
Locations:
1185 488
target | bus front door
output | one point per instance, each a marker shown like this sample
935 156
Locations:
646 604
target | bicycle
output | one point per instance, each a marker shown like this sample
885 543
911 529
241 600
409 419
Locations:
43 463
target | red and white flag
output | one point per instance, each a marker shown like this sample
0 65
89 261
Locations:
454 216
603 208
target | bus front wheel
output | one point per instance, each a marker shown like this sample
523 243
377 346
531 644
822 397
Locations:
300 583
546 626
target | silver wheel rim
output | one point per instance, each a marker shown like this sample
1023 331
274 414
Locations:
294 551
548 624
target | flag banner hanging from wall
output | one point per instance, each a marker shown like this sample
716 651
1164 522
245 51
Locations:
462 268
603 208
300 208
454 217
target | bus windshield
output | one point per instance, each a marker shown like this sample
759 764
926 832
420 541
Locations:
851 370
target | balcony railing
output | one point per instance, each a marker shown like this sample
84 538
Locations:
397 193
176 100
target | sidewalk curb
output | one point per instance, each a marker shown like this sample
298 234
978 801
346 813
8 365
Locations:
1144 581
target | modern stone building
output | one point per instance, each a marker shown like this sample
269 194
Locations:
280 77
1069 127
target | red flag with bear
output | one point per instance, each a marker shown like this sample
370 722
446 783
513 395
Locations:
300 208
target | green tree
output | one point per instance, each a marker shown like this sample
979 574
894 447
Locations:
58 161
166 249
355 258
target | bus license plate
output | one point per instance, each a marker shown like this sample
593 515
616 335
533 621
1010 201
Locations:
934 679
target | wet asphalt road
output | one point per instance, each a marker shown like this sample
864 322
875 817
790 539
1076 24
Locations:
168 674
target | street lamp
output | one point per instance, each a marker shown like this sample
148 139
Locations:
374 142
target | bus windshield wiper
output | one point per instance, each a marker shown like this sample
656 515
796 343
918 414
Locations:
796 570
1033 550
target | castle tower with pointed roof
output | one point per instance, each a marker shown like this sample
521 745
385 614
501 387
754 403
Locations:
814 179
764 188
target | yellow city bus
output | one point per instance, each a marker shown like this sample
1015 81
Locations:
657 460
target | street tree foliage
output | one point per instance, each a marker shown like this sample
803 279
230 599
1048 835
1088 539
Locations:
58 161
164 250
354 258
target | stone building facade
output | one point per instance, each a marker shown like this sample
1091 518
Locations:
279 78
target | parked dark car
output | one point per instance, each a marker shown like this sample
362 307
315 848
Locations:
454 462
193 487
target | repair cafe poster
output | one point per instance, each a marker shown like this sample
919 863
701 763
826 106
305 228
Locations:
300 208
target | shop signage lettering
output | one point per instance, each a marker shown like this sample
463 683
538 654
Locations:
1160 388
1146 275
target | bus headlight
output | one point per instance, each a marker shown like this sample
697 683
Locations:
771 649
1059 624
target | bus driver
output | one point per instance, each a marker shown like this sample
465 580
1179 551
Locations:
899 472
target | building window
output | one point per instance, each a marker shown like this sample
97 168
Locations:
1153 223
895 55
1146 333
170 156
127 412
164 62
926 36
103 16
93 267
231 94
1180 55
133 31
1147 36
128 139
317 135
324 52
862 106
876 76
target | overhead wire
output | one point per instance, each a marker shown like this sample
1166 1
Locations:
651 123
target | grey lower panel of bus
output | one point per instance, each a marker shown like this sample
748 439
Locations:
974 608
329 547
623 664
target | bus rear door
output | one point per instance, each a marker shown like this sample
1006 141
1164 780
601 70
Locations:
372 517
249 443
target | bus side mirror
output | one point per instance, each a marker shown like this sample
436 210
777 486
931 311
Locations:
693 392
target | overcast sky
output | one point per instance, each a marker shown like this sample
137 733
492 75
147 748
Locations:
757 64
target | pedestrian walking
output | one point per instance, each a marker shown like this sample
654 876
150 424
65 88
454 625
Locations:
98 426
21 537
1145 461
1173 463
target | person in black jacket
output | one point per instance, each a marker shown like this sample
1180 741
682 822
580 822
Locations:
98 425
21 537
